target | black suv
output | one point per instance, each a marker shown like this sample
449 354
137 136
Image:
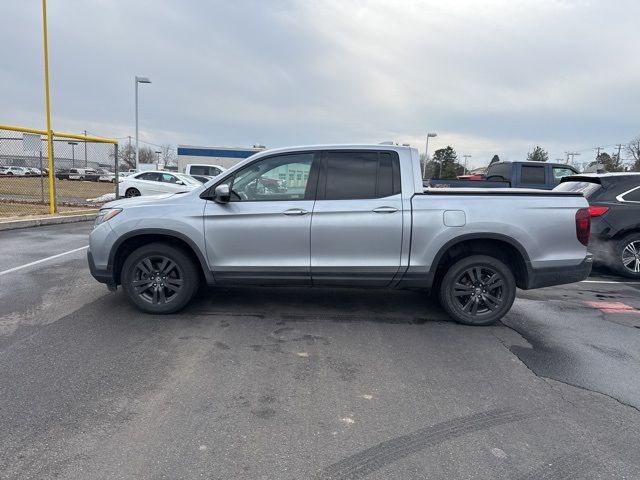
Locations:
614 200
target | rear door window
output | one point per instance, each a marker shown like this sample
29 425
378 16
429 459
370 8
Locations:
500 170
632 195
532 175
150 176
359 175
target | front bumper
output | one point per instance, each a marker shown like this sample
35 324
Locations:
103 276
547 277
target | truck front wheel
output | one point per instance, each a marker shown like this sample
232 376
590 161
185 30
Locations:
477 290
159 278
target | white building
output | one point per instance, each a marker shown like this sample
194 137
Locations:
223 156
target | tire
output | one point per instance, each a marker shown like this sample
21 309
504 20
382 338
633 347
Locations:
148 289
477 290
626 256
132 192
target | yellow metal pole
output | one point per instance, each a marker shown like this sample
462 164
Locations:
52 199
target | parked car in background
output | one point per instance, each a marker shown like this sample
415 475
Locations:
34 171
155 183
88 174
538 175
3 170
347 216
614 205
203 169
105 175
16 171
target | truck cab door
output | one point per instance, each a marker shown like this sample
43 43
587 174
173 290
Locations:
356 229
262 234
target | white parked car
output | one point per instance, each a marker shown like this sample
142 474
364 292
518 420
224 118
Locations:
17 171
156 183
105 175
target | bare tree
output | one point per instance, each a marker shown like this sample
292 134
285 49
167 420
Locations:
168 155
127 156
633 149
147 155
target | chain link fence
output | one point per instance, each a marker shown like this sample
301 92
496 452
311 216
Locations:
85 172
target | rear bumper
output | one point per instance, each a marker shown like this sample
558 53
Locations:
547 277
103 276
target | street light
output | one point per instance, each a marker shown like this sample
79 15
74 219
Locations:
73 153
426 153
138 80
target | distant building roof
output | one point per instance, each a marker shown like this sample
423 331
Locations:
222 152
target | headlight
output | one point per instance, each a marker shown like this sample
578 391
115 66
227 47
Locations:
106 215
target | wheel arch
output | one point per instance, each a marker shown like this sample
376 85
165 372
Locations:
135 239
502 247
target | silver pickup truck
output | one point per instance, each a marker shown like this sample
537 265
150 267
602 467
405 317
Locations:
356 216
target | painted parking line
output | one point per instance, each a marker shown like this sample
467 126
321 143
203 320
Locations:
613 307
610 281
26 265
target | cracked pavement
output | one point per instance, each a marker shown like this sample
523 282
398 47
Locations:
298 383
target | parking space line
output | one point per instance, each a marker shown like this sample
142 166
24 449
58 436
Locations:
610 281
14 269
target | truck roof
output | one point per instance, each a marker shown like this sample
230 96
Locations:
337 146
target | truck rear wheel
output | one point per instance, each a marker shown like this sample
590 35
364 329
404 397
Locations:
477 290
159 278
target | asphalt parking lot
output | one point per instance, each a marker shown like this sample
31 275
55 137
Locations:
285 383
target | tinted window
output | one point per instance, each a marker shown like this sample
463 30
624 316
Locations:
532 174
152 176
284 177
356 175
586 188
560 172
632 196
500 170
204 170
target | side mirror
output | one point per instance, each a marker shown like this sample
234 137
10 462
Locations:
179 182
223 194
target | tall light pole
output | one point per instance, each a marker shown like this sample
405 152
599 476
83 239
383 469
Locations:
426 154
465 163
73 153
138 80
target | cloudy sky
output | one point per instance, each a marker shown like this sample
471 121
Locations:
489 76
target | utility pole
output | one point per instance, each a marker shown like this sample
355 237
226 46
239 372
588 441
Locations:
465 163
597 149
85 150
619 148
572 155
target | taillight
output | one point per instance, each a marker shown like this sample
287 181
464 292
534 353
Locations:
583 225
597 210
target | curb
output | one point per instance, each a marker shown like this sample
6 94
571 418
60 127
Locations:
38 222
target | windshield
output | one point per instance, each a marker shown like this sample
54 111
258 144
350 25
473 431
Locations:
187 179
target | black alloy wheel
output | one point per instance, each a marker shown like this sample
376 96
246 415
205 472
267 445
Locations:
477 290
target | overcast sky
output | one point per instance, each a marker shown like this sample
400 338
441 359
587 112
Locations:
489 76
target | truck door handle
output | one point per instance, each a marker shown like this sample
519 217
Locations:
385 210
295 211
